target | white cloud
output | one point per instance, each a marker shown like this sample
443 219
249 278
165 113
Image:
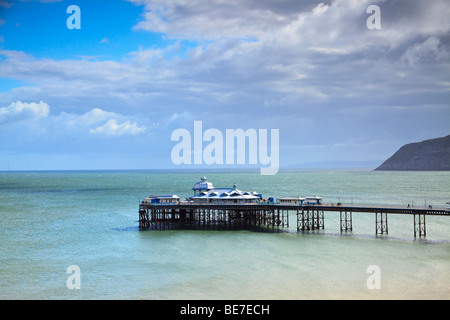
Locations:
429 50
93 122
98 122
296 25
112 128
212 19
93 117
180 120
19 111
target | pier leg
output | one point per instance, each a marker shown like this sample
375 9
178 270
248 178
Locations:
310 220
273 218
319 220
143 219
285 218
301 221
419 225
346 221
381 225
307 223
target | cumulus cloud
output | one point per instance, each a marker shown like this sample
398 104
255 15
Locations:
100 122
19 111
94 122
112 128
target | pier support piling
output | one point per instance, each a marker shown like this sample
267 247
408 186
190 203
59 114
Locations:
419 225
381 223
310 220
346 221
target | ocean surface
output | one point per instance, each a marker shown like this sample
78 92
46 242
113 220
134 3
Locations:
50 221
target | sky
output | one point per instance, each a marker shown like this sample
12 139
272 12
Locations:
110 94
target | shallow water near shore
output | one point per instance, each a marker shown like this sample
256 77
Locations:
52 220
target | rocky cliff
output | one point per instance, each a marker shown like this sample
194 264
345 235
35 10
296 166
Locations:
433 154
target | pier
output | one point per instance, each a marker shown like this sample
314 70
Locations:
186 215
230 208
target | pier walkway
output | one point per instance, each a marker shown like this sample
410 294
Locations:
263 215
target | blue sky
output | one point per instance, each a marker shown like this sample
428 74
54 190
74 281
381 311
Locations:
108 96
39 28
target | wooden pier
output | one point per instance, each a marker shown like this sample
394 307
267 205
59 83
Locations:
253 216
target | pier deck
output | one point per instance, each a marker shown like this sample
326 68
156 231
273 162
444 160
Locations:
246 216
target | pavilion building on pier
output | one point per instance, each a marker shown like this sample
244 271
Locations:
205 192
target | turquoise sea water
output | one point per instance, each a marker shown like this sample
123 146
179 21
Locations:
52 220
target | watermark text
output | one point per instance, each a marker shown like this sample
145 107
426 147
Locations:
74 280
190 149
374 280
74 20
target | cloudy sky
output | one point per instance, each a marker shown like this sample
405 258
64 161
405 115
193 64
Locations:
109 95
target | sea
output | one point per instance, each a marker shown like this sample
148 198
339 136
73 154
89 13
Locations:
74 235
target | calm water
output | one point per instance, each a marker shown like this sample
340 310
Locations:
51 220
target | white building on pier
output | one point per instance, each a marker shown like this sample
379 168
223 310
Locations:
205 192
